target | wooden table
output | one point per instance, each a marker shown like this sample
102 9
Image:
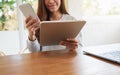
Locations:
56 63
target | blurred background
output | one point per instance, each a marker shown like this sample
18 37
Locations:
102 16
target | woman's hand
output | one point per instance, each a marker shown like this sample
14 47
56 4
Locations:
72 44
32 25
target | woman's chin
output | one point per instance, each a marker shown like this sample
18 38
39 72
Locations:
53 10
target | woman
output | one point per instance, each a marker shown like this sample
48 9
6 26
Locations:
48 10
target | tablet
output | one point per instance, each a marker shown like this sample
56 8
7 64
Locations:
52 32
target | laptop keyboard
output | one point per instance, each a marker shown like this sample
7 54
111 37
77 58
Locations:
110 52
115 55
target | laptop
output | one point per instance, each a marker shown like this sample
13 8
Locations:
109 52
52 32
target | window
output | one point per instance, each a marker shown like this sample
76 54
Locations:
8 15
12 28
101 10
101 7
94 9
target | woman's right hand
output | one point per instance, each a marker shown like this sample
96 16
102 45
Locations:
32 25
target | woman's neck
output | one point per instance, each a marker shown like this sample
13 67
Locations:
55 16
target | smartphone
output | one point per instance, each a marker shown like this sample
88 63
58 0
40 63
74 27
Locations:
27 11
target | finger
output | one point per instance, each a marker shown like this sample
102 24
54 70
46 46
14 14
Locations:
75 47
61 42
37 28
72 44
37 23
31 26
69 44
27 19
30 22
72 40
72 47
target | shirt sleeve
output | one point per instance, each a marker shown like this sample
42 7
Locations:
33 46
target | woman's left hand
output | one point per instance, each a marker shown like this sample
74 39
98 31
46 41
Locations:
72 44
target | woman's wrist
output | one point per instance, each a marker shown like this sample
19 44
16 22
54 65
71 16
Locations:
32 38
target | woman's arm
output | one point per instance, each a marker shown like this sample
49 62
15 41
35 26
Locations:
33 46
32 27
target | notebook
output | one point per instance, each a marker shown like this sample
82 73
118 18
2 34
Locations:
109 52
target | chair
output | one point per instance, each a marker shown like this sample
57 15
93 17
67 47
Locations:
22 50
2 54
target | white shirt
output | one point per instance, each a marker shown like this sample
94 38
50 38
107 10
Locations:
34 46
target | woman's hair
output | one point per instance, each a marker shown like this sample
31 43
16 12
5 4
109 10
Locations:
44 14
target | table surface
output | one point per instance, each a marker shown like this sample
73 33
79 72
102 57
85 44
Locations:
60 62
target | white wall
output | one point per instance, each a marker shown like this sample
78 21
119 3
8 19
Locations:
9 40
98 30
10 43
75 8
101 32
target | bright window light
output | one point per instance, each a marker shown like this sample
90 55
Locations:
101 7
